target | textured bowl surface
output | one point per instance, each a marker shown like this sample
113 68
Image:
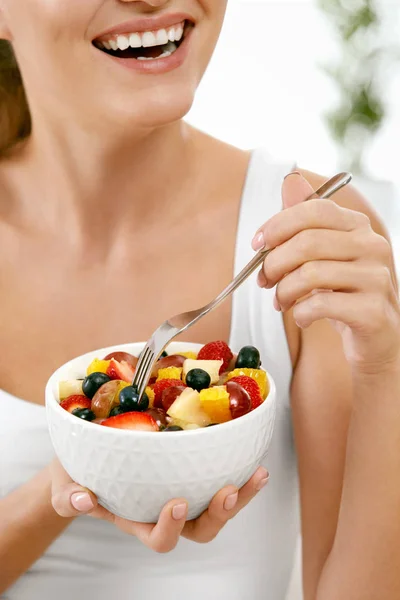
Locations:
134 473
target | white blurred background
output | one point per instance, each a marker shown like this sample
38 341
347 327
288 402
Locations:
265 87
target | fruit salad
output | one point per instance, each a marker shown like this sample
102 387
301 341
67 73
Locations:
186 391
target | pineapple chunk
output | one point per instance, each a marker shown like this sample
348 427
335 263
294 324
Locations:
192 355
70 388
212 367
151 395
216 403
170 373
187 408
98 366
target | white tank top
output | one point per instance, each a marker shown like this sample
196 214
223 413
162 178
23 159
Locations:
252 557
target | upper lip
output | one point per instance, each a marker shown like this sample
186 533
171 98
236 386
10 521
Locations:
142 24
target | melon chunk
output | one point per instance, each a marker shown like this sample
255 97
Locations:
72 387
212 367
187 408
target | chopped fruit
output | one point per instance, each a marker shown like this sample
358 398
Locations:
258 375
137 421
130 401
216 403
187 407
212 367
120 370
73 387
98 366
170 373
217 351
240 401
163 354
150 394
175 360
173 428
123 357
107 397
171 394
74 402
162 385
248 358
93 382
159 415
117 410
198 379
84 413
192 355
252 388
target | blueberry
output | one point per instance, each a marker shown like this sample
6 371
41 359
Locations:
198 379
212 424
130 402
173 428
84 413
163 354
248 358
94 382
117 410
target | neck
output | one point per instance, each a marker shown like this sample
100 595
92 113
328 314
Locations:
76 174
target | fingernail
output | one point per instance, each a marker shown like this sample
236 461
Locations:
262 483
258 241
230 501
179 511
261 279
293 173
82 501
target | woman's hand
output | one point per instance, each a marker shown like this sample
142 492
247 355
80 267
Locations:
328 263
70 500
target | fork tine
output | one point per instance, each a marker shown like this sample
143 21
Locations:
142 368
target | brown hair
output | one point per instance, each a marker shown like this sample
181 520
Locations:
15 120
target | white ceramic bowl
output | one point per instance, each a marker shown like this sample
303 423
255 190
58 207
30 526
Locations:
134 473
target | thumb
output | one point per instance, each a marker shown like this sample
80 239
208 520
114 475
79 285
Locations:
295 189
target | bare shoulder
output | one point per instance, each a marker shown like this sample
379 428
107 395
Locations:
350 198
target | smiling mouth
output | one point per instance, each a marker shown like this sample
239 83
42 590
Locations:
147 45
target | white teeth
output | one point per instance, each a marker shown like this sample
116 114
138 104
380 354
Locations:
178 33
148 39
122 42
162 37
135 40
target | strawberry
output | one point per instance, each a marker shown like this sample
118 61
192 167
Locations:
216 351
162 385
252 388
132 420
76 401
120 370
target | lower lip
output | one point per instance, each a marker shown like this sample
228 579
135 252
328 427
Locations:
156 66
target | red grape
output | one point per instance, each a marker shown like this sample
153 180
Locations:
106 398
175 360
120 356
171 394
240 402
159 415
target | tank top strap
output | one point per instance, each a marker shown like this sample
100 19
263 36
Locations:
254 319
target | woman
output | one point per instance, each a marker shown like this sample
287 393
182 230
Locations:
108 201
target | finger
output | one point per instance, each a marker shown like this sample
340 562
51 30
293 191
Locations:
295 189
164 535
331 275
313 245
367 314
224 506
316 214
72 500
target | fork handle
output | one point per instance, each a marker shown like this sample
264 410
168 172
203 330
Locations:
327 190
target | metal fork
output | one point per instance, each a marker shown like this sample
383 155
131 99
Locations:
176 325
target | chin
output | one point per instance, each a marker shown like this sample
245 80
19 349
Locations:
157 108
